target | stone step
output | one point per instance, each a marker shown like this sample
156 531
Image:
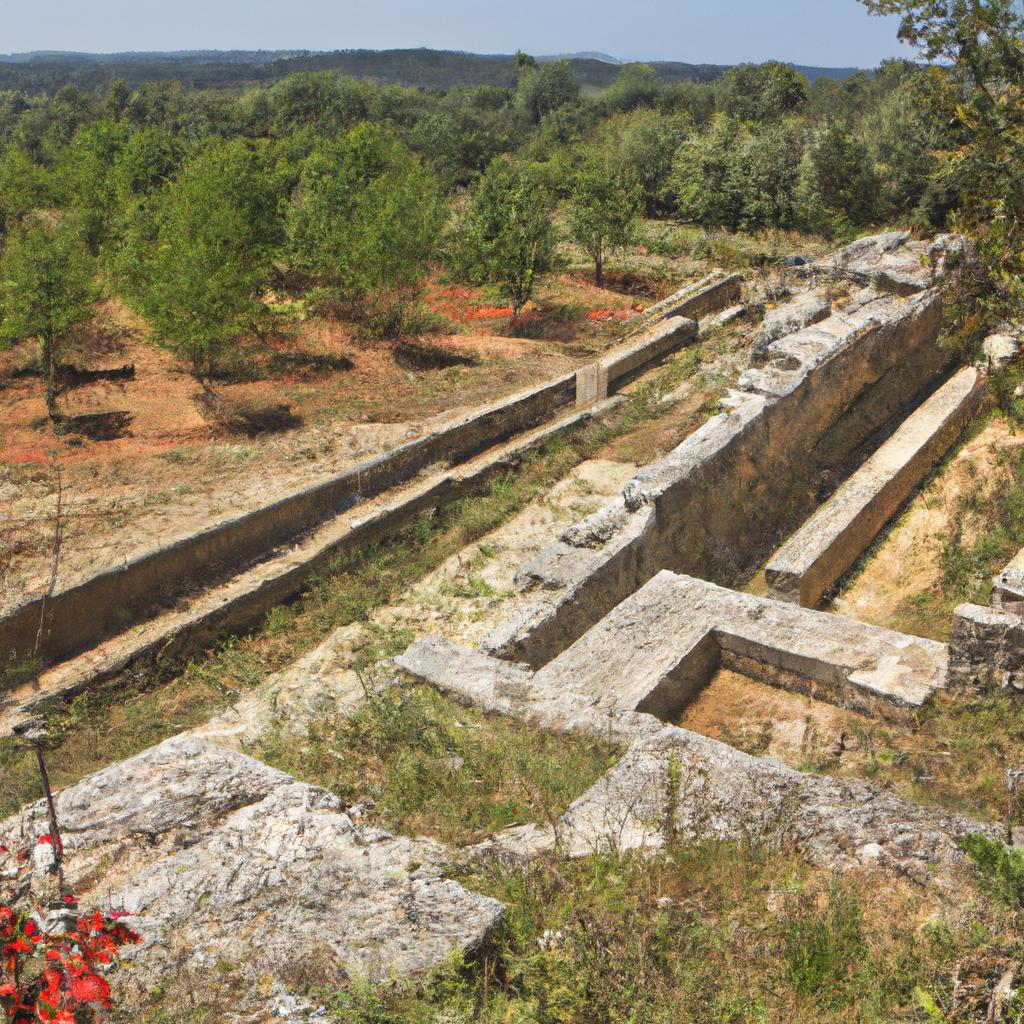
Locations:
810 563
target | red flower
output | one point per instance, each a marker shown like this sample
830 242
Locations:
90 988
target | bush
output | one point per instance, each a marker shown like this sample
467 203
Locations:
364 218
1000 868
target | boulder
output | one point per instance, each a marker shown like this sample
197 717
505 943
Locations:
219 859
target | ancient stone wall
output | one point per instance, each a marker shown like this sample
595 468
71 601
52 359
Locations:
717 505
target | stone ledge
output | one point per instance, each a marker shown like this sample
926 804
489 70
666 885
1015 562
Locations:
986 648
717 503
809 564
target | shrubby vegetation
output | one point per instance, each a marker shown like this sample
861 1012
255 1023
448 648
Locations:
193 203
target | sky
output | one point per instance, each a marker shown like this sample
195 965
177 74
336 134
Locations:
831 33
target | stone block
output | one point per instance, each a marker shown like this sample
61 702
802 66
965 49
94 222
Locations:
986 648
809 564
591 384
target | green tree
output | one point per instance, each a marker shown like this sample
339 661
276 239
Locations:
707 186
762 92
196 259
543 88
974 88
46 291
507 238
844 174
640 147
765 174
636 85
365 216
603 211
118 98
24 185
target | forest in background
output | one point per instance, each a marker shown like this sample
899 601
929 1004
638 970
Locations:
190 204
239 69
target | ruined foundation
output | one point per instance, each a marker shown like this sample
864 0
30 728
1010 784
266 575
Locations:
812 561
629 625
716 506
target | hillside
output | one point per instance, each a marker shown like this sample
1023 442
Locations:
215 69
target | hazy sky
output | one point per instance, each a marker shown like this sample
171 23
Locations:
820 32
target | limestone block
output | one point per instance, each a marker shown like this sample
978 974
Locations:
804 311
807 566
591 384
712 790
986 648
998 351
652 653
218 857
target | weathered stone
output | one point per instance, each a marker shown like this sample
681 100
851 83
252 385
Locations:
986 648
672 780
591 384
218 858
1008 586
787 319
717 504
656 650
894 263
998 351
808 565
624 361
238 602
700 299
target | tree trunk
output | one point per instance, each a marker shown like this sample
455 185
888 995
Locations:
50 359
599 268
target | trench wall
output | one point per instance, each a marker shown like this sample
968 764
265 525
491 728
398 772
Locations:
78 617
718 504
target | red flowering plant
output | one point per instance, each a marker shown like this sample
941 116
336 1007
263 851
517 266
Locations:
56 977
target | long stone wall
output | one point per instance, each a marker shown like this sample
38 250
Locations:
717 505
810 563
80 616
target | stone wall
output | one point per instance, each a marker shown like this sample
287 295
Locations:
812 561
718 504
78 617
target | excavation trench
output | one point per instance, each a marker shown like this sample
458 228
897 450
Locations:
60 625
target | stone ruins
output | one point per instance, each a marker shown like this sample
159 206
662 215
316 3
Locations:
623 619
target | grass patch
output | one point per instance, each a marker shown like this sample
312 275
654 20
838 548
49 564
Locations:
956 758
721 933
426 766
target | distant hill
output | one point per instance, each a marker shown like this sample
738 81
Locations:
215 69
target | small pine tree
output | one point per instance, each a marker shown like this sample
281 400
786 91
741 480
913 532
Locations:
194 263
46 291
508 238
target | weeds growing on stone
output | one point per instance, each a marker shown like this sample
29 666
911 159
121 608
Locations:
712 933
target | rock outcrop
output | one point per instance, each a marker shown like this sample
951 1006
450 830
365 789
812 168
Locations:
217 858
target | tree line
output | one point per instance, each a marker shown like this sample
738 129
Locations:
187 203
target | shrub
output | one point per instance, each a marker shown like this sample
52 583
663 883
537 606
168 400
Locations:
1000 868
